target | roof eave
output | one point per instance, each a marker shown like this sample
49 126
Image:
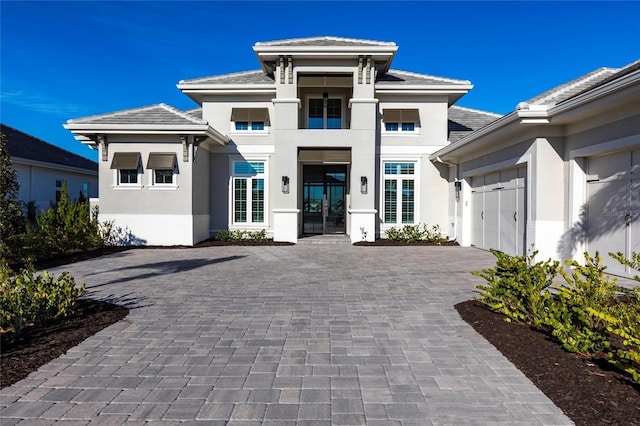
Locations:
56 166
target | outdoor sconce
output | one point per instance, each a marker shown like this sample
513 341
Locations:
285 184
363 184
458 187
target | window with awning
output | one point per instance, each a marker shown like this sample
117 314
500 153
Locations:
250 118
401 120
126 160
161 161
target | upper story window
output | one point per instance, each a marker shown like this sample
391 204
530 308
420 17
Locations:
250 119
401 120
127 167
164 166
324 113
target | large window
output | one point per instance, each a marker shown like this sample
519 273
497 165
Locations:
248 192
325 113
399 193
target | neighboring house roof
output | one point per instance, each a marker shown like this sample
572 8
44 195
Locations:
153 114
325 41
397 77
462 121
24 146
245 77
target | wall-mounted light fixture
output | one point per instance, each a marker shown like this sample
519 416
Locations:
285 184
363 184
458 186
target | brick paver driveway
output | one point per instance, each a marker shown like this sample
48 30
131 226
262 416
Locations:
306 334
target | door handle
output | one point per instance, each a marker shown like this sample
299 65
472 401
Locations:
515 216
482 215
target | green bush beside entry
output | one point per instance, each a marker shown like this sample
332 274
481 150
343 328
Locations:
416 233
27 297
582 314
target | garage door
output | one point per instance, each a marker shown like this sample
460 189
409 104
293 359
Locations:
498 208
613 207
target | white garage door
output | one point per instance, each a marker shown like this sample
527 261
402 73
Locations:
613 207
498 208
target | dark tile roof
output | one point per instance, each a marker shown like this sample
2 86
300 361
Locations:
22 145
463 121
153 114
394 77
245 77
325 41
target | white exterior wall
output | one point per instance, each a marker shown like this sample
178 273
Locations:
155 215
38 182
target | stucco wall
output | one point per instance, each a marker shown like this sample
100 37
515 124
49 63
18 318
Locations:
38 183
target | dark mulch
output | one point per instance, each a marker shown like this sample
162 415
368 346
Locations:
587 391
38 345
383 242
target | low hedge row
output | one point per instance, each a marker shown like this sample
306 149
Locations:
583 313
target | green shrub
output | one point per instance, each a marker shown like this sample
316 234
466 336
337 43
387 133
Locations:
238 235
571 318
517 287
69 226
27 297
416 233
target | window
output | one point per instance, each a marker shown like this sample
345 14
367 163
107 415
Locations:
325 113
85 189
127 166
128 176
58 190
250 119
399 193
401 120
248 192
163 166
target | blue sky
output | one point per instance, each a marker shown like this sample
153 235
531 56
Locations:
62 60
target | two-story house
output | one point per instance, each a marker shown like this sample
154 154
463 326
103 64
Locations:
324 138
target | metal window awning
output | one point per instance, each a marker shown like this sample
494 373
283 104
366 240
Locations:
161 161
125 160
325 156
250 114
401 116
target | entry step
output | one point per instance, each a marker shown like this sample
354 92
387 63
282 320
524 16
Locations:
325 239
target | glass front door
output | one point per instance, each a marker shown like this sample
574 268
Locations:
324 196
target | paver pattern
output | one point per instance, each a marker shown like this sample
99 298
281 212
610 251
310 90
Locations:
310 334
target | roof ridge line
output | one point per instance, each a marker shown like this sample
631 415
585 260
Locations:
476 110
580 80
182 114
114 113
324 37
436 77
231 74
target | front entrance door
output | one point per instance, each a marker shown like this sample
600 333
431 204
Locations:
324 192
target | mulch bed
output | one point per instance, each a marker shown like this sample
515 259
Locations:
382 242
587 391
38 345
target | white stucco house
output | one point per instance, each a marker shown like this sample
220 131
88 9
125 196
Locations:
326 137
42 169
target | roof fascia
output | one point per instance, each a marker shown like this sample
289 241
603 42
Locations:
136 129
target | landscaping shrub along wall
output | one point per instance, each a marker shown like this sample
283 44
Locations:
586 314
